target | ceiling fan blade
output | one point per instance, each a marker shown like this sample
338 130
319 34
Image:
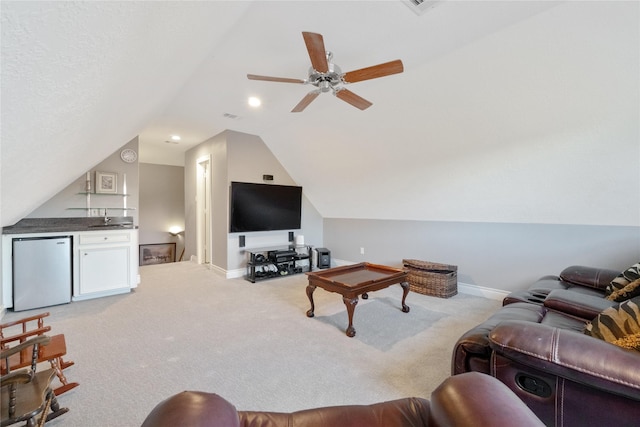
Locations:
347 96
373 72
317 53
306 101
274 79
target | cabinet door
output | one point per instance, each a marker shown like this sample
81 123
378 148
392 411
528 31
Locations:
104 269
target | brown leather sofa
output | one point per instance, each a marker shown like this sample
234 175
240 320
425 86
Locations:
470 399
538 349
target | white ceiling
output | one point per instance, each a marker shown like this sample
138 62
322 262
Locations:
484 81
267 40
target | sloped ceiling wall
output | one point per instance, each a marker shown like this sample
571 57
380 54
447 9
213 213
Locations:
506 111
80 79
535 123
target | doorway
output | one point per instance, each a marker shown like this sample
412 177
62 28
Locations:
203 210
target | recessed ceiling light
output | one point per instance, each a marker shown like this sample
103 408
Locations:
254 102
175 137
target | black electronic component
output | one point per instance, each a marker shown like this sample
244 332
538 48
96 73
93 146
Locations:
324 257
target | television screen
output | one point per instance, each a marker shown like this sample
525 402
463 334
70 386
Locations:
264 207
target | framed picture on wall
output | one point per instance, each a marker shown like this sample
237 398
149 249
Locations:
106 182
157 253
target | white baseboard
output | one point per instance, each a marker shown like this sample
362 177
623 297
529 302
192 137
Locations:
481 291
234 274
229 274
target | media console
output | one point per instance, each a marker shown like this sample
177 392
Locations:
269 263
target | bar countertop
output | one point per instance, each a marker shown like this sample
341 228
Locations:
66 225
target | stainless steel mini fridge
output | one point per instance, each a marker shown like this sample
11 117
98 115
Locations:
42 272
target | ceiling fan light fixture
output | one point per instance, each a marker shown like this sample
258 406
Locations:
324 86
328 77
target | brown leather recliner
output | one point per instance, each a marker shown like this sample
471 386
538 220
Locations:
538 349
471 399
568 301
578 279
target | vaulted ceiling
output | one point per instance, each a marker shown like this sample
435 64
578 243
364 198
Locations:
503 112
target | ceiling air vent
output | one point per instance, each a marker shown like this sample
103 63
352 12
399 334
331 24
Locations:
421 6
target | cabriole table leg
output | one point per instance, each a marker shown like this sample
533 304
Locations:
351 307
310 289
405 292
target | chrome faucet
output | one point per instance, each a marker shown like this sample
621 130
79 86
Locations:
107 220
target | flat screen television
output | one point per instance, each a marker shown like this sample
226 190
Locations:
264 207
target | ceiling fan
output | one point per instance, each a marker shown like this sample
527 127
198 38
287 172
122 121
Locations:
327 76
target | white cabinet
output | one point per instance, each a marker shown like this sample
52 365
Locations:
106 263
103 269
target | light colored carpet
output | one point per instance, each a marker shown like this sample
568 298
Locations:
188 328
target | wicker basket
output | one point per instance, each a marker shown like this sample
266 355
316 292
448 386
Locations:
431 278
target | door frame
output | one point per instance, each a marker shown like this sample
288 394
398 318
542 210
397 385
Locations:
203 210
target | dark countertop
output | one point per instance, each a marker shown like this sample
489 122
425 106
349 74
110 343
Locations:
67 225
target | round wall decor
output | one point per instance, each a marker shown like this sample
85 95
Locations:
128 155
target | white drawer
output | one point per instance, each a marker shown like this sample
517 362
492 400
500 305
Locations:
94 238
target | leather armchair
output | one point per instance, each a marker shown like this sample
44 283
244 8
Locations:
577 279
470 399
538 349
567 378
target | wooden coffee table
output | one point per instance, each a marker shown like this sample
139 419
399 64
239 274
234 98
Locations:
353 280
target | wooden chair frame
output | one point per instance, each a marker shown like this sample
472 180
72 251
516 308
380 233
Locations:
26 394
53 352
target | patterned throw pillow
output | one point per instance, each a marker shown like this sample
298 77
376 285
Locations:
632 342
618 325
623 294
625 286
